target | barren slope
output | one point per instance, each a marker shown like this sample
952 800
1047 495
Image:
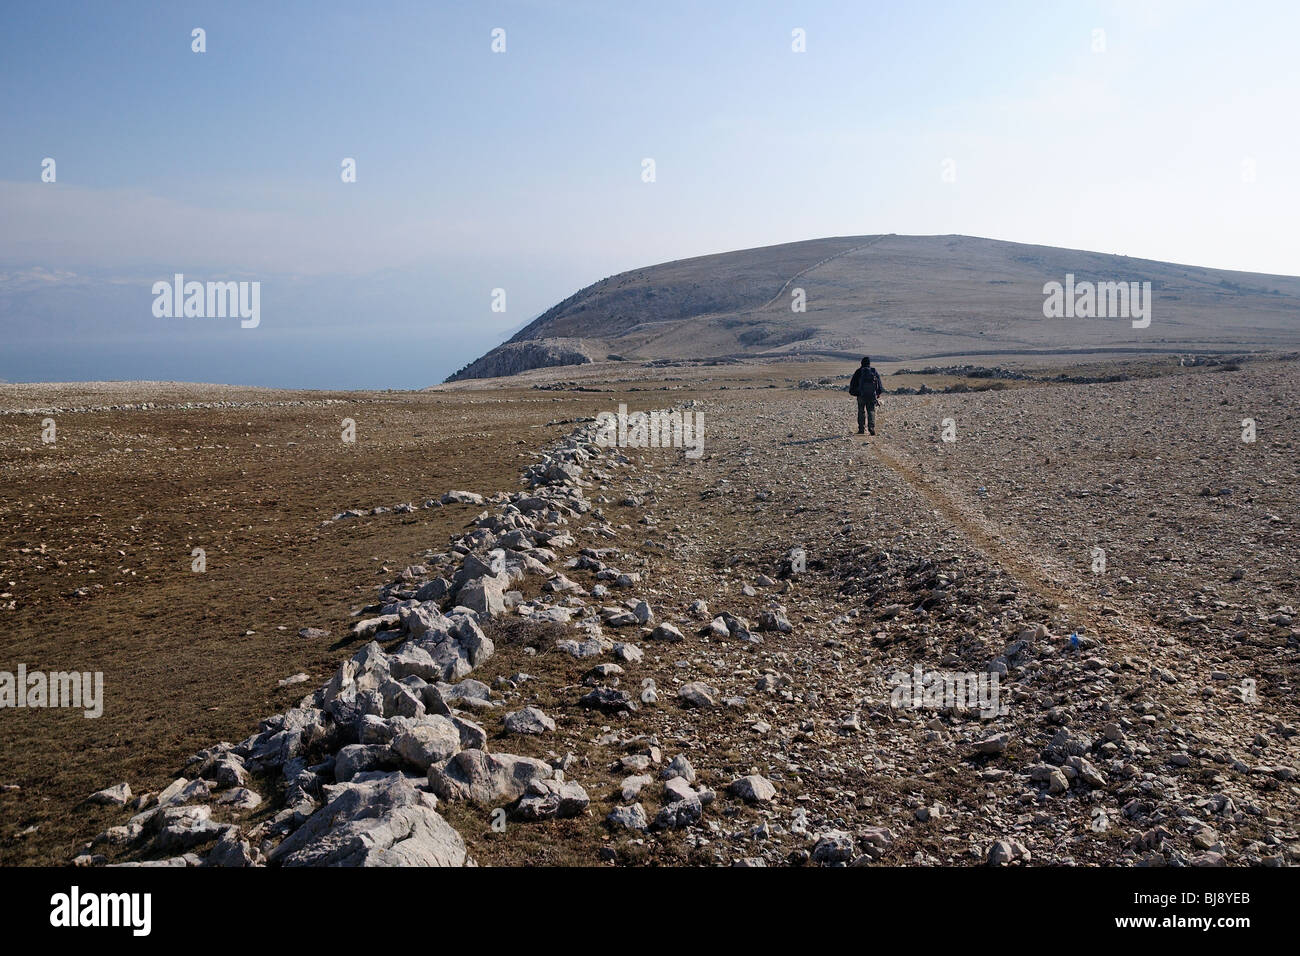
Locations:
894 296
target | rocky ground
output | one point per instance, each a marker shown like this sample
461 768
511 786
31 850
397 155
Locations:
631 656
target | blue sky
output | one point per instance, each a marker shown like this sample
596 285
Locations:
522 170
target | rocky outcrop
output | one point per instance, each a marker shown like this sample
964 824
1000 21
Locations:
511 358
380 821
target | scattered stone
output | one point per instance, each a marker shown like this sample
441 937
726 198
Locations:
547 798
833 846
992 745
631 786
666 632
697 694
628 818
679 767
384 821
430 740
1008 851
114 796
628 653
753 789
486 779
774 621
240 798
461 498
609 700
530 720
682 806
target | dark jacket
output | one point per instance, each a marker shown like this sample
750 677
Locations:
867 387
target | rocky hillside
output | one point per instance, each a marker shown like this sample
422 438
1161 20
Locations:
899 297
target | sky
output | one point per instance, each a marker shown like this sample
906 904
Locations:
1170 134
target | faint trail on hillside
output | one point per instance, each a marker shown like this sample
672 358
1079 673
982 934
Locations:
817 265
674 327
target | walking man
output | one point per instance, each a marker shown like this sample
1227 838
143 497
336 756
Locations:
866 387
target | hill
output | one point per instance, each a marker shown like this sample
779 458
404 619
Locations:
896 297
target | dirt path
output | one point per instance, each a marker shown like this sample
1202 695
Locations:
996 543
816 265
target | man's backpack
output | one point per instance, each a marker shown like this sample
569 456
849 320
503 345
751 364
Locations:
872 386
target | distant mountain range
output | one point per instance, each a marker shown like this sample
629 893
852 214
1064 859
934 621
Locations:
896 297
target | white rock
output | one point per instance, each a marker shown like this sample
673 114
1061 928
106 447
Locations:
753 789
116 795
530 720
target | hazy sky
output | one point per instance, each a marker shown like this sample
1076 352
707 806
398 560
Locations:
522 170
